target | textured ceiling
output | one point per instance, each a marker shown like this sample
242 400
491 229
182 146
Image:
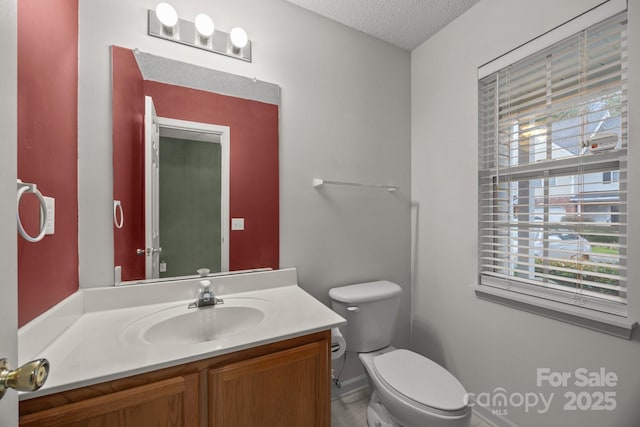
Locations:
403 23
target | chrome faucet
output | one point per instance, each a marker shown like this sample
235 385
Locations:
205 296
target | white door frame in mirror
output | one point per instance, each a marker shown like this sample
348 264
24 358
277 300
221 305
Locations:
210 133
151 190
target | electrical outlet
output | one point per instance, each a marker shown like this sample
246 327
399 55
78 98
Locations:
51 215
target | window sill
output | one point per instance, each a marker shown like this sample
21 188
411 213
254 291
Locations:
602 322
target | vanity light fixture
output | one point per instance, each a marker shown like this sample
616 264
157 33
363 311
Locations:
204 29
238 37
168 16
163 22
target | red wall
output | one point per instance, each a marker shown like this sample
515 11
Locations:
254 176
128 169
48 149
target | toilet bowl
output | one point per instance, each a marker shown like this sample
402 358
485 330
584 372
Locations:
407 388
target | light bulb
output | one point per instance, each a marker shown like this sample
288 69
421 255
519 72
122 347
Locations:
238 37
204 25
166 14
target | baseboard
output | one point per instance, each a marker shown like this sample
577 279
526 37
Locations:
349 386
491 417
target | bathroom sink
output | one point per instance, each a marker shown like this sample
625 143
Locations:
183 325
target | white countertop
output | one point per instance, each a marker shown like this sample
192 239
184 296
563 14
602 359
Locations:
83 341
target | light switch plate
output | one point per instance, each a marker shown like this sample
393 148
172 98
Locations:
237 223
50 227
117 274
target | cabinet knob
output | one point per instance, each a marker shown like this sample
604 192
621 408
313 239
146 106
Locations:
29 377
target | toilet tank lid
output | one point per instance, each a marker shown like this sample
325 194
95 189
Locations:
365 292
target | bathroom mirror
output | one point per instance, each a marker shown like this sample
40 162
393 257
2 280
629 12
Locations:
195 161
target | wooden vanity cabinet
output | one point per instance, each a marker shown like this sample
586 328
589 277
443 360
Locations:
170 402
286 383
282 387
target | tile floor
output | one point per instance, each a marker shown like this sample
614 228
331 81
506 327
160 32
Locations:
350 411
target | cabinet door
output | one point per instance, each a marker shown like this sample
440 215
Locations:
287 388
172 402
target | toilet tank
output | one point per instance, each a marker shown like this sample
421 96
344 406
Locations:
370 310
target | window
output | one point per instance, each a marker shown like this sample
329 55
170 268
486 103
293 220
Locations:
552 173
608 177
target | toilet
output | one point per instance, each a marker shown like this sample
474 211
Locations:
407 389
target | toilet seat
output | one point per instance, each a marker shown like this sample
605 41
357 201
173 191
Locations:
420 380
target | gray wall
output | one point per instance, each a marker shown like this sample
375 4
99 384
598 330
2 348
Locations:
345 114
488 345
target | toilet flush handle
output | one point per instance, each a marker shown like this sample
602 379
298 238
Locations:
353 308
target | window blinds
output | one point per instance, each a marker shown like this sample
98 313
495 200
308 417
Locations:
552 171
